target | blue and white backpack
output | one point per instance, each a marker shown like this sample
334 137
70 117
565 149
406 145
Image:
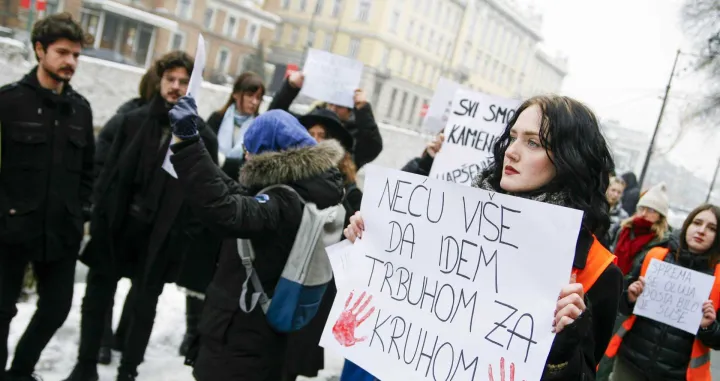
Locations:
307 271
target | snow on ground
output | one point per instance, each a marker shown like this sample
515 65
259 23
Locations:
162 362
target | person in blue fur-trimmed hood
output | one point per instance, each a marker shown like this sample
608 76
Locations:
234 345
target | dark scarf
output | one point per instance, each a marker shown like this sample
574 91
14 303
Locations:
632 240
559 198
62 101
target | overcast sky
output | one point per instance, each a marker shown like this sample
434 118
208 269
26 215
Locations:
621 53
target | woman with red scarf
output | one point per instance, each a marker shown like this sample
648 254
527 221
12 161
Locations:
644 230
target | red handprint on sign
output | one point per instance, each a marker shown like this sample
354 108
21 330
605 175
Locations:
344 328
502 371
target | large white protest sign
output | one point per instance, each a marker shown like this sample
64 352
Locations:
331 78
674 295
476 121
450 281
438 112
193 90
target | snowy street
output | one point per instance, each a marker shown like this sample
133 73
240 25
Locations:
162 362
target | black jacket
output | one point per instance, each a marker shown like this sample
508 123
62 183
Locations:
364 129
107 133
140 225
578 349
420 165
631 195
246 341
46 168
657 349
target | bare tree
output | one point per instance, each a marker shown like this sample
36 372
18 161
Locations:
701 23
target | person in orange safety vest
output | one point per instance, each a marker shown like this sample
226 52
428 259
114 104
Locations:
645 349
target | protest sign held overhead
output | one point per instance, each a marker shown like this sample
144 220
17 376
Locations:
440 105
674 295
439 287
331 78
476 122
196 80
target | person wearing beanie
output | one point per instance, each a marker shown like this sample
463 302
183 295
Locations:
647 228
235 345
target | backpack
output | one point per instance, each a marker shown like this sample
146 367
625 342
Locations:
307 271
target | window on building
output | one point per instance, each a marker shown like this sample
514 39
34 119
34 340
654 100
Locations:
184 9
421 77
294 36
241 64
89 19
302 5
411 65
502 78
285 4
431 39
51 7
230 25
354 48
413 109
223 59
400 64
486 66
410 28
385 57
403 103
449 17
251 34
337 4
391 105
318 7
421 31
310 38
208 18
421 119
363 10
177 42
439 14
328 42
510 78
279 32
493 75
394 20
428 6
439 45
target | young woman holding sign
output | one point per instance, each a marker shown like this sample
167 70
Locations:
552 151
645 349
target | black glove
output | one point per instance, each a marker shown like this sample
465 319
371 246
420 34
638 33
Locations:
182 118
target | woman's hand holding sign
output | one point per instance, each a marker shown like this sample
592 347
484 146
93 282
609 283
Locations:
356 227
636 289
709 314
570 305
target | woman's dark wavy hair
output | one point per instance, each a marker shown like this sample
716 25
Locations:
246 83
571 135
714 250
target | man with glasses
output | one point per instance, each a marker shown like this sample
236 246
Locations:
140 227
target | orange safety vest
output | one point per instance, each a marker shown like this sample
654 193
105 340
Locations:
699 367
598 259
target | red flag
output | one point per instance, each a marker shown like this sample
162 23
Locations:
40 5
291 68
25 4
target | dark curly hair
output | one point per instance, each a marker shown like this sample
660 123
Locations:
174 60
571 135
58 26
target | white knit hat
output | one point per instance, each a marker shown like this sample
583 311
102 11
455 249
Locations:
656 198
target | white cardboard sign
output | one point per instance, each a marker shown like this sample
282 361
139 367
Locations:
331 78
196 80
440 105
476 122
674 295
451 282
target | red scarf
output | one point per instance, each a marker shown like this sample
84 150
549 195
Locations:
632 239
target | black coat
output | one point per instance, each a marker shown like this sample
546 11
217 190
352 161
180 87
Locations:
363 128
140 231
577 350
419 165
656 349
46 169
234 345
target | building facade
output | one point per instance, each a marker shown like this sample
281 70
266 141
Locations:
137 32
407 45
